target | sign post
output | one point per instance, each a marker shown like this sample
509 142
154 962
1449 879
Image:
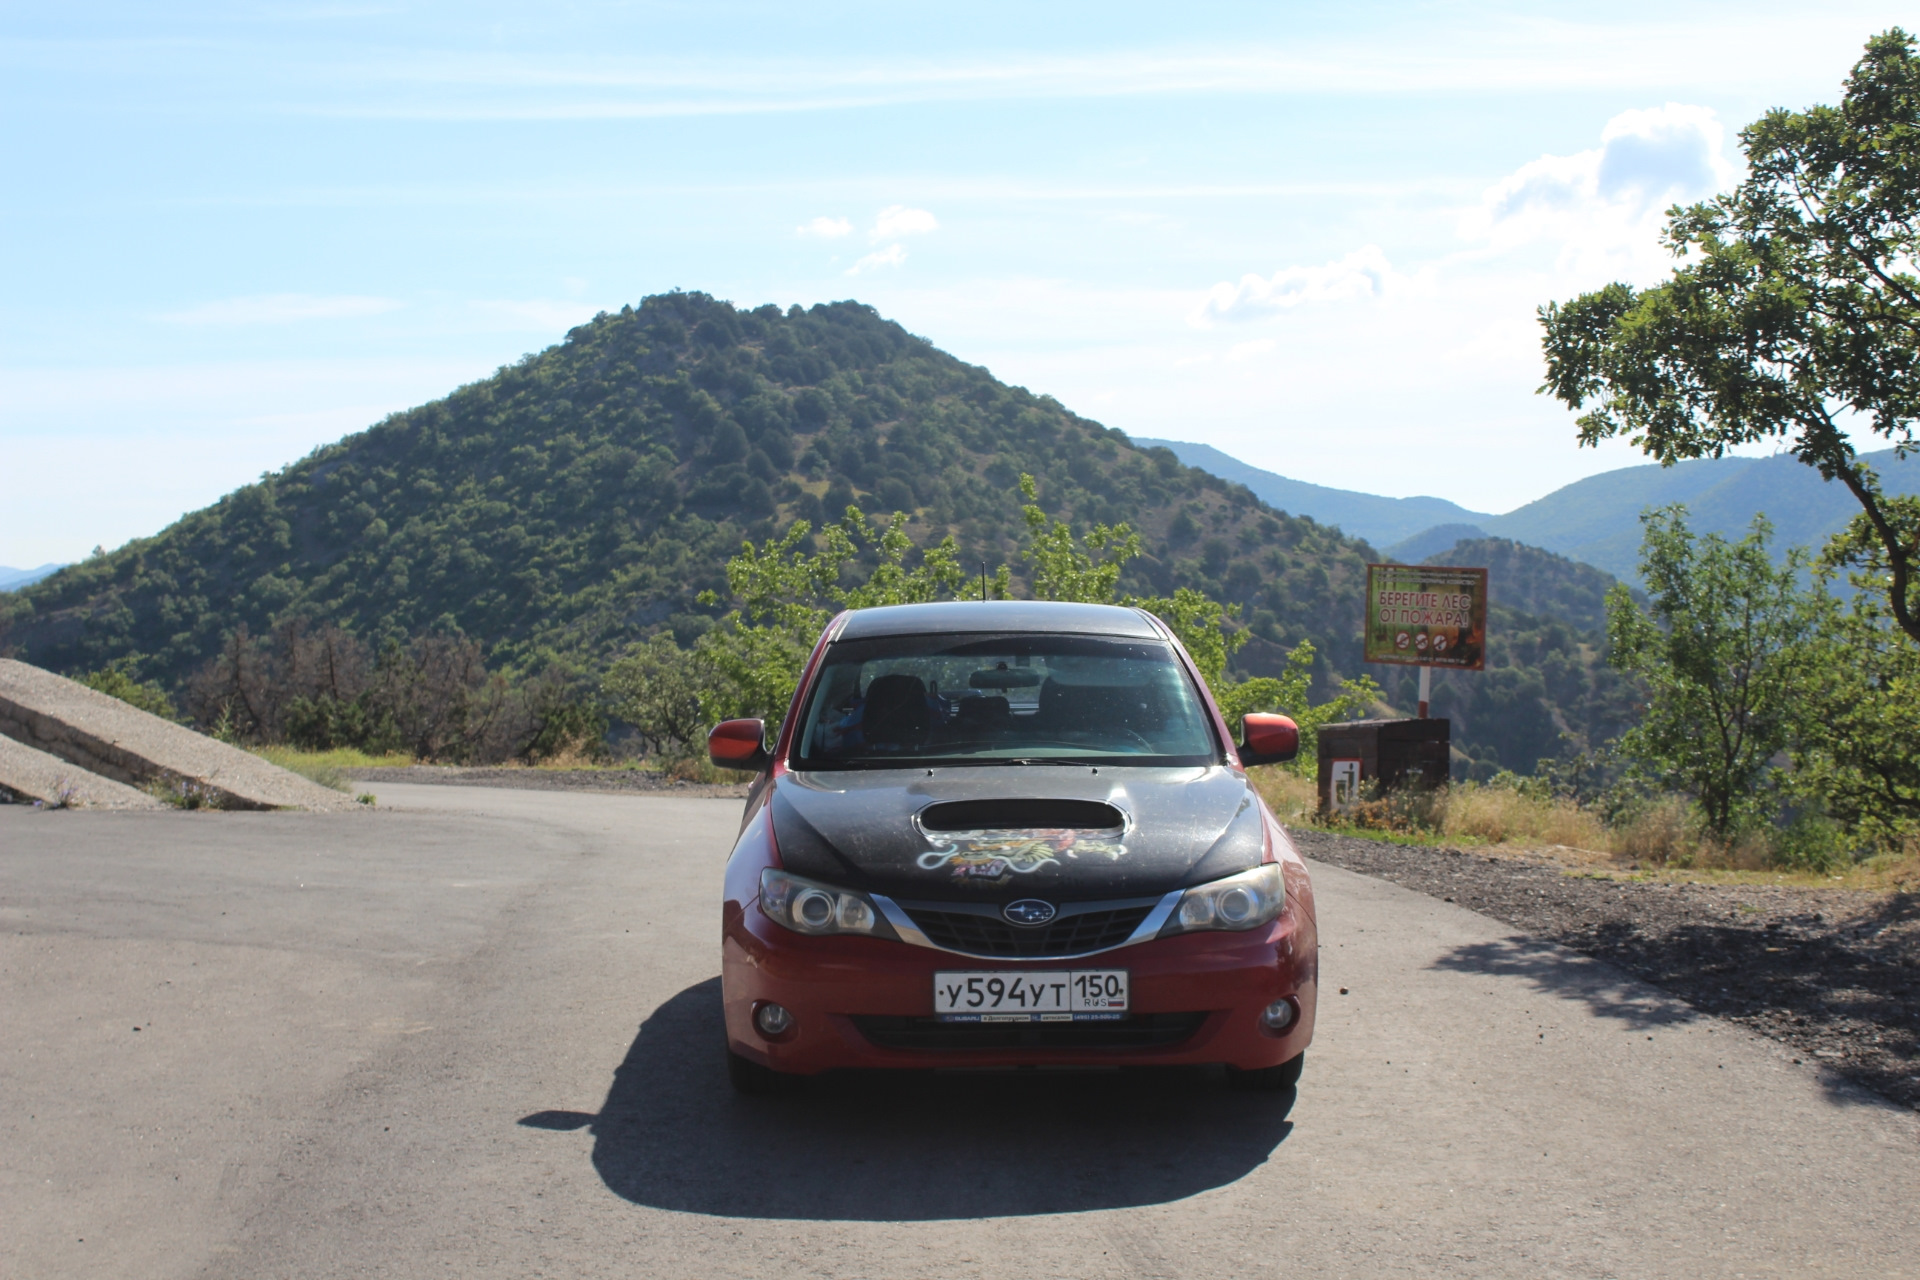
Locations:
1422 616
1427 616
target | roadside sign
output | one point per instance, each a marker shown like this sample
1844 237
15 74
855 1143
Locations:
1346 785
1427 615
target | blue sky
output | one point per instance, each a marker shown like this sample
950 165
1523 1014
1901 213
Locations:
1312 236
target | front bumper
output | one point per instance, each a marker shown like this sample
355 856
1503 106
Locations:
826 982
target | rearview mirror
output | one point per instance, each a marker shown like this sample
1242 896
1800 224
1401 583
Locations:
1268 739
739 744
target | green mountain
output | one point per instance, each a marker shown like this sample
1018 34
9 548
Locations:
583 498
1534 581
586 495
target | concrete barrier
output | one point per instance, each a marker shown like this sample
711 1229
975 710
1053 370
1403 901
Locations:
30 775
105 736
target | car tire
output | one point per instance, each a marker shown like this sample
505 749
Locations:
749 1077
1269 1079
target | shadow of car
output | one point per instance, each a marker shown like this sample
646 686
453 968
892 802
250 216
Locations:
911 1146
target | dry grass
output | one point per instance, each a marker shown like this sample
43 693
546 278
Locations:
329 768
1899 869
339 758
701 769
1660 834
1661 840
1295 800
1501 815
582 754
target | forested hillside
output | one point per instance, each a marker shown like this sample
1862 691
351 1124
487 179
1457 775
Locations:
587 494
582 498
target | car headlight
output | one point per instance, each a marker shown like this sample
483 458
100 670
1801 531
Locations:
807 906
1244 901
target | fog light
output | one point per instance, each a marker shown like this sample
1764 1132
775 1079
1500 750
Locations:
1275 1018
772 1020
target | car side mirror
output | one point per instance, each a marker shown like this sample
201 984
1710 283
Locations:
1268 739
739 744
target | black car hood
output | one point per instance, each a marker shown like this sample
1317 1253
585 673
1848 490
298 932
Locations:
861 829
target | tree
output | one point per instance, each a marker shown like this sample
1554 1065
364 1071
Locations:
787 595
1064 567
1857 757
1723 653
1798 321
442 702
666 692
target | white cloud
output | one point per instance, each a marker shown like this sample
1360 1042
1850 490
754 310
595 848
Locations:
891 256
897 220
1603 208
1248 350
1441 53
825 228
1363 273
283 308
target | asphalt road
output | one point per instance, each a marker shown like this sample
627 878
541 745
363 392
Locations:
476 1033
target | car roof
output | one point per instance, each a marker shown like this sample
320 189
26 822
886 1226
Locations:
1000 615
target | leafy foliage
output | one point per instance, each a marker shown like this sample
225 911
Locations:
118 681
1856 755
1723 655
787 596
1798 320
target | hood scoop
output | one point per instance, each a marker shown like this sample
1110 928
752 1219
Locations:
995 833
1021 815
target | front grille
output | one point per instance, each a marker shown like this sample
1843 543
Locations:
989 935
1141 1031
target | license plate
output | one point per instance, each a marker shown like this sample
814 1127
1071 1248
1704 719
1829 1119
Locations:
1059 995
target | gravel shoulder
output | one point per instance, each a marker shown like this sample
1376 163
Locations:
603 781
1833 973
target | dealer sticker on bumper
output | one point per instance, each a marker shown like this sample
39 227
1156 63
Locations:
1079 995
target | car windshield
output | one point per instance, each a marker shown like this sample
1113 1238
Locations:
898 700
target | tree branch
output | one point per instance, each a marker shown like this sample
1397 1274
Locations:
1899 562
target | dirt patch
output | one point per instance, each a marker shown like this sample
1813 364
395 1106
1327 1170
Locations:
628 781
1834 973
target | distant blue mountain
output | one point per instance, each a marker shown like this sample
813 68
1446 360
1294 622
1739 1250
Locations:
14 579
1596 520
1431 542
1381 521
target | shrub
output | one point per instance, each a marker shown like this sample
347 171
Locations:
117 681
1661 831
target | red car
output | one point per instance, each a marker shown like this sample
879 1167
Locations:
1011 833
